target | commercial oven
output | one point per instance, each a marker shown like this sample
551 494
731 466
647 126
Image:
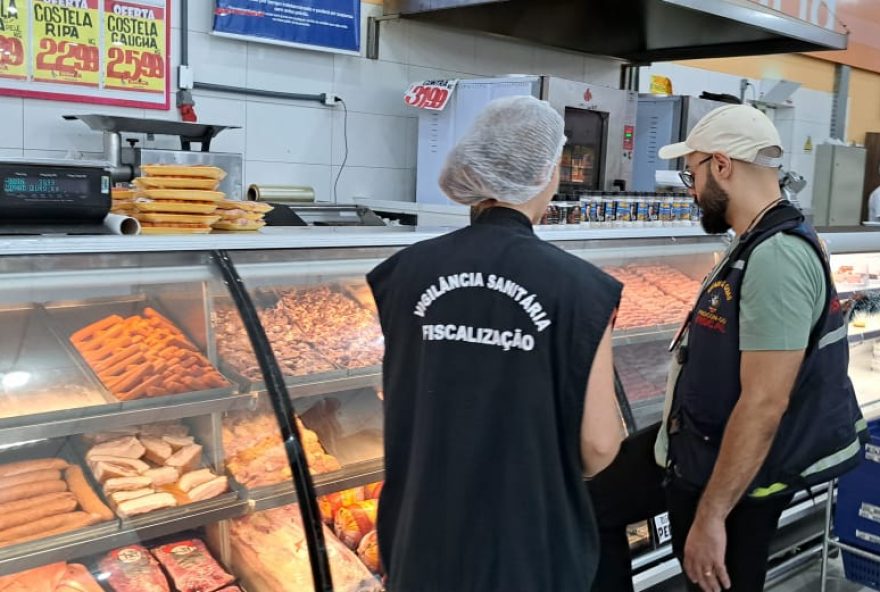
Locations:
661 121
599 124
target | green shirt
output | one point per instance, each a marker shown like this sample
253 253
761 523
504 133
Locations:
782 297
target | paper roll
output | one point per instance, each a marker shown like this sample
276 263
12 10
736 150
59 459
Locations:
117 224
281 193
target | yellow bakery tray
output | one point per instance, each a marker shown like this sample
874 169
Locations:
248 206
227 217
175 230
174 207
176 218
252 227
174 170
176 183
182 195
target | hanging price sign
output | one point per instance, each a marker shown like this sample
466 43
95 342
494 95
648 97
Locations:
134 52
13 40
431 94
107 52
65 39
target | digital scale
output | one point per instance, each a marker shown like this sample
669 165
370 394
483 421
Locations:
40 197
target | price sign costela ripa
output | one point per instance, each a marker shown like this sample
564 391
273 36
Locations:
431 94
108 52
66 42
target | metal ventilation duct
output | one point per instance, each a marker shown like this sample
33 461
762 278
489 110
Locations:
638 31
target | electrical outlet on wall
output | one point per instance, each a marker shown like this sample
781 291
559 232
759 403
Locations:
331 100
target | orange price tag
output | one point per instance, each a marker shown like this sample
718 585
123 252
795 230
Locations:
431 94
135 55
13 52
66 42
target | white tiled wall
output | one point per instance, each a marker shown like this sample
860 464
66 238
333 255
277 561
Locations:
810 116
303 143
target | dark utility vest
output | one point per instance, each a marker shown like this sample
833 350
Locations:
821 432
490 335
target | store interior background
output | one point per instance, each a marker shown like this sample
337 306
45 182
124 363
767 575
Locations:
286 142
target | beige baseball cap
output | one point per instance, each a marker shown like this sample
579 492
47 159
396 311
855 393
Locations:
739 131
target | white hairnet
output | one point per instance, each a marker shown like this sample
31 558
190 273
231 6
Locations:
509 154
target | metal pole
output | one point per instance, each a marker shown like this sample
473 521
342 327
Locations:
255 92
826 537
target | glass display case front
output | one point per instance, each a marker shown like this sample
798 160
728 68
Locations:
139 447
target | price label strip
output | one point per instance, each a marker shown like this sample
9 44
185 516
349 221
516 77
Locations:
13 40
66 42
433 95
662 529
135 52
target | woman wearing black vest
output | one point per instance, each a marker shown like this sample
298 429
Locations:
498 379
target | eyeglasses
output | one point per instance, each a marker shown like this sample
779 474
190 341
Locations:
687 177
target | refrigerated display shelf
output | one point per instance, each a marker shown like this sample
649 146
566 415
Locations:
645 335
273 496
300 387
94 540
99 418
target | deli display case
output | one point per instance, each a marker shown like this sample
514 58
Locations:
143 438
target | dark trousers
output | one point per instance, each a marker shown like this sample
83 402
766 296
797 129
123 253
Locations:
750 529
628 491
631 490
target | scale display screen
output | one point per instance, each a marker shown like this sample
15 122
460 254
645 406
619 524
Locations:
47 192
35 185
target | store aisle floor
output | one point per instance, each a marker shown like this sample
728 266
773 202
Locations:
805 581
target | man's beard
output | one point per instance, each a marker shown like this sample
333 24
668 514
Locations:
714 202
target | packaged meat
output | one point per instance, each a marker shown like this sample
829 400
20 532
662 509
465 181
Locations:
126 447
46 527
136 465
373 490
353 522
163 476
103 471
145 504
230 589
191 566
133 569
209 490
194 479
144 356
61 505
368 552
27 466
255 454
270 554
329 504
11 494
178 442
187 458
40 579
78 579
126 484
157 449
123 496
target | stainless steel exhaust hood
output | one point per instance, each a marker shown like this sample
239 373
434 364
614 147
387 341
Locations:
639 31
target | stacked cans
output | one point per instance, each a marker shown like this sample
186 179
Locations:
600 209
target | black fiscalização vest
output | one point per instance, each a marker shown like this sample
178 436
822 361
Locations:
490 335
822 430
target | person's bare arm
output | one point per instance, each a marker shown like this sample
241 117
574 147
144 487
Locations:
601 427
767 379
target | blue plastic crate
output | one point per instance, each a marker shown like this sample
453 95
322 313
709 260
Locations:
861 570
857 513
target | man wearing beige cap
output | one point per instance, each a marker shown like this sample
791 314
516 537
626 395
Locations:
759 403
